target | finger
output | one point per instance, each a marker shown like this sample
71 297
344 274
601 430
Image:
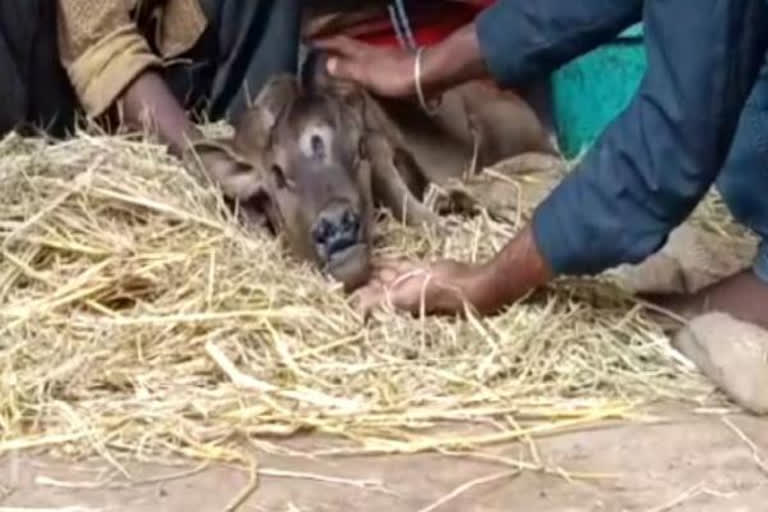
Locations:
343 68
346 58
350 69
367 299
393 273
374 283
379 263
384 274
397 266
340 45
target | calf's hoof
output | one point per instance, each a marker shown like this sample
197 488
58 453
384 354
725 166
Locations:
731 353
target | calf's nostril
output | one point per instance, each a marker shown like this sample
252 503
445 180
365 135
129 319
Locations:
337 231
350 221
323 231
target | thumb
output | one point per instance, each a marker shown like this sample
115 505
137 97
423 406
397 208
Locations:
368 298
343 68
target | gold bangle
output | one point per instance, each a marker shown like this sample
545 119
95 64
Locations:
419 92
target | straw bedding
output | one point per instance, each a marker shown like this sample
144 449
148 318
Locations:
140 320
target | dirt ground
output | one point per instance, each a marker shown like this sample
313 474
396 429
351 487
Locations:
687 462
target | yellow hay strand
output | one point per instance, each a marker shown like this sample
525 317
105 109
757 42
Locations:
139 319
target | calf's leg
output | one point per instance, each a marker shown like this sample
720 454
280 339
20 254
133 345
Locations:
389 187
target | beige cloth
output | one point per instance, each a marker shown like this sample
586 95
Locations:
104 46
733 354
691 260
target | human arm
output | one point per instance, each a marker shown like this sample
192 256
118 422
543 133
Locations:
656 161
446 287
112 67
147 102
512 42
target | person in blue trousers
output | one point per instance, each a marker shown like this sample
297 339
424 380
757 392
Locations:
700 117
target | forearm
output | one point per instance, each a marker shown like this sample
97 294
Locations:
512 273
651 167
455 60
147 103
515 42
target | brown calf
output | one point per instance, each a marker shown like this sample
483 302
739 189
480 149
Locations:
316 158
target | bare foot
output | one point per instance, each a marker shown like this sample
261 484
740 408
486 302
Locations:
742 296
733 354
692 259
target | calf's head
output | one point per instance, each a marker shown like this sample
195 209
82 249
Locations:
298 156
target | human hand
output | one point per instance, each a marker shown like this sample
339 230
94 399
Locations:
448 287
149 103
444 287
383 71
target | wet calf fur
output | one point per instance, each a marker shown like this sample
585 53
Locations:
315 157
305 158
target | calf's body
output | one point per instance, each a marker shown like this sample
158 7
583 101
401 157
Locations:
317 156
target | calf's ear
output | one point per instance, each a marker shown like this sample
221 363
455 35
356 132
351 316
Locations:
316 79
238 177
254 127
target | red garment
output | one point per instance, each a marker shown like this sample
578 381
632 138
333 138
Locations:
430 22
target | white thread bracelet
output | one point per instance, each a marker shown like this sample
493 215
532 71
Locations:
417 79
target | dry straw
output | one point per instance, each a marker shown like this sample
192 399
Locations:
139 320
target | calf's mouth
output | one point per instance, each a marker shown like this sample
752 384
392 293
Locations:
351 266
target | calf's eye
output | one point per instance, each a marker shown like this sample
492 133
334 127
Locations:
280 180
362 150
318 147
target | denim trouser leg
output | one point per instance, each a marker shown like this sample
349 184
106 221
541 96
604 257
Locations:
660 156
743 182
